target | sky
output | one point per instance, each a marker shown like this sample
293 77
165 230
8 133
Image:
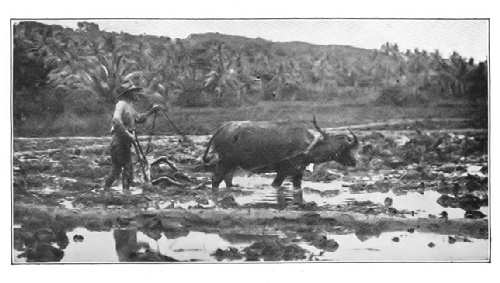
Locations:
467 37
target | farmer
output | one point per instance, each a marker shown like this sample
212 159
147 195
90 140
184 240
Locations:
123 134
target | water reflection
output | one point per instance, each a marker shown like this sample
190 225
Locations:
43 245
128 248
256 192
96 246
125 243
122 245
409 247
365 244
195 246
286 197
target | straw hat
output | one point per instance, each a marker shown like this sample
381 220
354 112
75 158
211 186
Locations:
127 88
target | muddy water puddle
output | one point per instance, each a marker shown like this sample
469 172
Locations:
122 245
68 173
255 190
404 246
125 245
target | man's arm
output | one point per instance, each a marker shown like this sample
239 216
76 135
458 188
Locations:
141 118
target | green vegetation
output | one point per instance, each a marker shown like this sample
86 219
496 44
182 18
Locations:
203 120
65 80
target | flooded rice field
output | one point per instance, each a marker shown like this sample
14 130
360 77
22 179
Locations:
131 245
413 196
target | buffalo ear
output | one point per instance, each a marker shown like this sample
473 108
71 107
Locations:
322 132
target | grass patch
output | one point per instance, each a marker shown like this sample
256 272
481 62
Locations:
203 120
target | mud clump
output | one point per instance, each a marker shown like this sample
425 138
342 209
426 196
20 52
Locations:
228 202
447 201
443 215
469 202
43 252
365 232
273 250
78 238
474 214
322 173
38 246
466 202
310 218
230 253
321 242
150 256
309 206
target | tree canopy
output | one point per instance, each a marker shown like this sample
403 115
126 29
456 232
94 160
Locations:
52 63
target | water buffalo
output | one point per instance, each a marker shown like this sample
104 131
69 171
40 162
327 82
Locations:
279 147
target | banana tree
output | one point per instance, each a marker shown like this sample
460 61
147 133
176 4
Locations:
97 63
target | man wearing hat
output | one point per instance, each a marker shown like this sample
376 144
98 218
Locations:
123 128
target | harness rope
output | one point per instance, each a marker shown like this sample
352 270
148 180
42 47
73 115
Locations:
184 137
149 146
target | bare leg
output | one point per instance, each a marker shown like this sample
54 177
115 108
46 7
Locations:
120 154
115 173
127 176
278 180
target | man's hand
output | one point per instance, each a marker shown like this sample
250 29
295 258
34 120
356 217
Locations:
156 108
141 118
131 135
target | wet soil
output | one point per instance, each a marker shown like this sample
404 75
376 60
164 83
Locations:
419 186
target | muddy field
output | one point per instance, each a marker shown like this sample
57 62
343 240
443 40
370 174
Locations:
417 193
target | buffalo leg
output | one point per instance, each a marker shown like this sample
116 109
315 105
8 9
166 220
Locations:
218 175
278 180
228 179
297 181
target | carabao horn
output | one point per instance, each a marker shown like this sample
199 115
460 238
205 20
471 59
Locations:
355 139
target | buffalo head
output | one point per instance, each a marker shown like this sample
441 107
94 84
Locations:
337 148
